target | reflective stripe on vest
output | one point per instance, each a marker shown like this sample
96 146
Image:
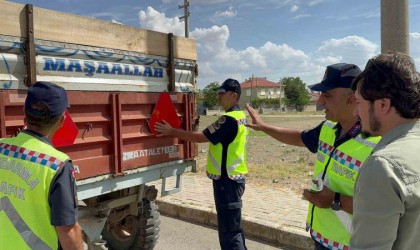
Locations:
25 232
236 156
216 164
29 155
25 179
326 242
332 228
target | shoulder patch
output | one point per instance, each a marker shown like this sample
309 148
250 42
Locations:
222 119
216 125
211 129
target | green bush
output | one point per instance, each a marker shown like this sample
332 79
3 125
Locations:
266 103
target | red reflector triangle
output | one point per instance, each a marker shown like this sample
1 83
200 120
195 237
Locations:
66 135
164 110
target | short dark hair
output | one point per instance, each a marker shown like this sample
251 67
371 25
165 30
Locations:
41 121
391 75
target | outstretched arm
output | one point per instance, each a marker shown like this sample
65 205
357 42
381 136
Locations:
165 129
285 135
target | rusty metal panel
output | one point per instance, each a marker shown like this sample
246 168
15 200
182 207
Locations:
113 130
11 112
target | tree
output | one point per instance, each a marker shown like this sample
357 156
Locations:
210 95
198 97
295 93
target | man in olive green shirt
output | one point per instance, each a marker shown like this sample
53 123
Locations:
386 207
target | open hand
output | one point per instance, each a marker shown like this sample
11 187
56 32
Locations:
256 119
164 128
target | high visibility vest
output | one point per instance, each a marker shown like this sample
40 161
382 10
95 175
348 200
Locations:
328 227
236 155
27 168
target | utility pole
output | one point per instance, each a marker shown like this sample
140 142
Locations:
280 97
187 13
250 97
394 26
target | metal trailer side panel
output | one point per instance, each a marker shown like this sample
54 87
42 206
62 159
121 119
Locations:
113 133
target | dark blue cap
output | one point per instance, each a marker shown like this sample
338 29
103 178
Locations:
229 85
338 75
52 95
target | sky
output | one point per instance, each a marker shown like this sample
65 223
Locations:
265 38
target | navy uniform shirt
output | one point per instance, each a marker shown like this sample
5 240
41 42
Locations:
310 137
62 195
223 131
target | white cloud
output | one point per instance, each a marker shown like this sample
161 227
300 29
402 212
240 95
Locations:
315 2
216 61
350 49
157 21
301 16
226 14
415 48
115 21
212 40
328 60
294 8
415 35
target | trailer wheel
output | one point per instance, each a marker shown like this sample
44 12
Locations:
149 225
135 233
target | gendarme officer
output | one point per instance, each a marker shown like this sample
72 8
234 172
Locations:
226 162
38 205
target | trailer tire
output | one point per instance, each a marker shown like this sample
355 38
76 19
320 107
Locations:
135 233
149 227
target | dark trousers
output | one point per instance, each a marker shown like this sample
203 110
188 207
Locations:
318 246
228 200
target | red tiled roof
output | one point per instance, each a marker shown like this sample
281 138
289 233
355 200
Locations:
259 82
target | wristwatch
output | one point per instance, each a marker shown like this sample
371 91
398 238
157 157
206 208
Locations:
336 204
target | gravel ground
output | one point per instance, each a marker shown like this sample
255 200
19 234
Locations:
272 163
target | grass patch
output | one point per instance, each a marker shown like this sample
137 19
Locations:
271 163
305 113
298 170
